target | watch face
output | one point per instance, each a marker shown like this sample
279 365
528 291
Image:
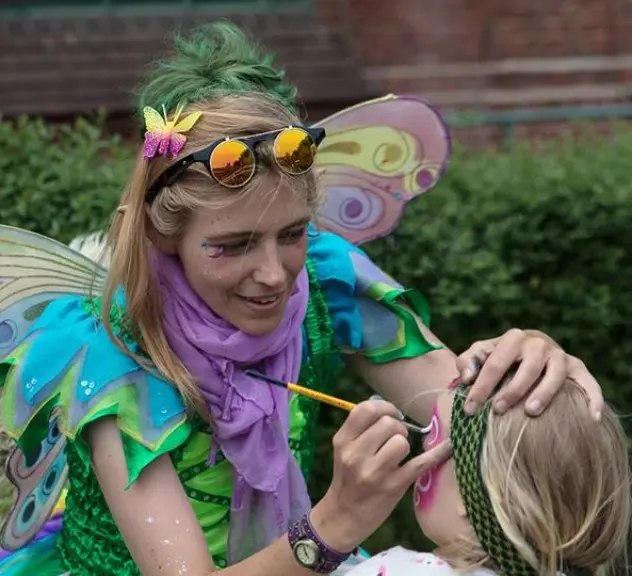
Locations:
307 553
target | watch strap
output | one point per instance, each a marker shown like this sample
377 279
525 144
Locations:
330 559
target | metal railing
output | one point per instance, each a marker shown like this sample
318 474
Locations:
507 120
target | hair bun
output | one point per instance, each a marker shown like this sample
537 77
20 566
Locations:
214 59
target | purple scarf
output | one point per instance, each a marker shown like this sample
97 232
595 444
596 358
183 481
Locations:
249 418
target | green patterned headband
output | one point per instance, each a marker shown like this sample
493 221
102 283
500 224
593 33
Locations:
467 436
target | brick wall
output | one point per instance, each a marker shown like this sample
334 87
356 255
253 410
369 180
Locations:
482 54
474 54
59 66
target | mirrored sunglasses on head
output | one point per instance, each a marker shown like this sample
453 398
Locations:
232 162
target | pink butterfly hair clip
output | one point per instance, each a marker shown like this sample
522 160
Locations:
165 137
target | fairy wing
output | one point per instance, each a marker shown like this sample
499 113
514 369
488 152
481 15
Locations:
378 156
39 478
33 271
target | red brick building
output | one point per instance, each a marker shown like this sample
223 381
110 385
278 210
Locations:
491 54
460 54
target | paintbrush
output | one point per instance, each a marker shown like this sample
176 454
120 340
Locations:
324 398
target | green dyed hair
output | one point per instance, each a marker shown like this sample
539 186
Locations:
215 59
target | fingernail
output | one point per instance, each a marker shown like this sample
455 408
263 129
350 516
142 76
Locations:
400 414
471 371
452 385
471 407
534 406
500 406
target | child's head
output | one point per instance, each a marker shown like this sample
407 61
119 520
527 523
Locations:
550 492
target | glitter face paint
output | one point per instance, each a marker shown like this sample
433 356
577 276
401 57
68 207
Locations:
212 251
425 487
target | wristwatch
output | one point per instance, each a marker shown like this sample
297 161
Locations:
310 551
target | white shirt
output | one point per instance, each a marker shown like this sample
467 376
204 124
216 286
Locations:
401 562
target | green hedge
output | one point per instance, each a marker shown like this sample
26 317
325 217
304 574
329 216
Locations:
60 181
529 238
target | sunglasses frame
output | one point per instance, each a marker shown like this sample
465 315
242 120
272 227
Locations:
204 156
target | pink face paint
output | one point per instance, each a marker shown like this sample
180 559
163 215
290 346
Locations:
425 487
213 251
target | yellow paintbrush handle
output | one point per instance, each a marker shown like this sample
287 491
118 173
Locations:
324 398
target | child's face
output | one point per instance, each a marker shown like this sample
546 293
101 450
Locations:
438 505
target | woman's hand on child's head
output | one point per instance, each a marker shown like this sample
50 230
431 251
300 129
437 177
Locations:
369 478
542 369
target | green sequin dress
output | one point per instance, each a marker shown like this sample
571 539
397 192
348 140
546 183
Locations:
67 368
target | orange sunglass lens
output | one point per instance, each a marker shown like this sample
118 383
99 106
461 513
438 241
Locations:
232 163
294 151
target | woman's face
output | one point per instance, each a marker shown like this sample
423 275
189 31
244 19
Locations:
438 505
243 260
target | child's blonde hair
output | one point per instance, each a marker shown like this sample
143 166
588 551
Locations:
559 487
229 115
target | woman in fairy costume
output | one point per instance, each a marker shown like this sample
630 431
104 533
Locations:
177 461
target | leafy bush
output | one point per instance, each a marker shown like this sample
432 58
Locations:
528 238
61 180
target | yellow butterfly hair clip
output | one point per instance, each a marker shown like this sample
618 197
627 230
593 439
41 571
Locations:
165 137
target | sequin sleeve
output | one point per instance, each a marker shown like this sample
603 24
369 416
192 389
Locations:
370 312
67 364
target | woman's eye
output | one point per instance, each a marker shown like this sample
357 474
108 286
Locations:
243 246
237 248
293 236
217 250
213 251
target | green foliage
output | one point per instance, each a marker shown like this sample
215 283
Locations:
529 238
60 181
